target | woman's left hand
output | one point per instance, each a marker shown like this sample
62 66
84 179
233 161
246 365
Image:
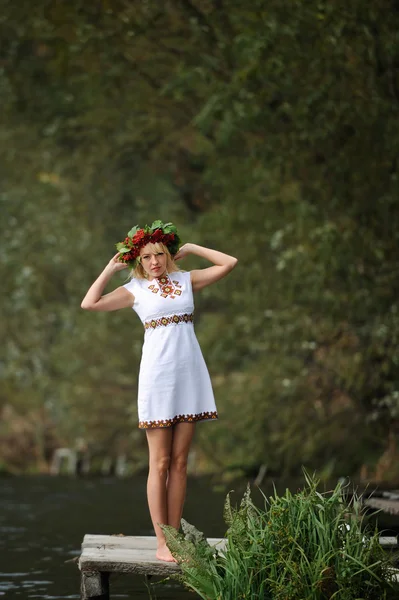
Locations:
184 251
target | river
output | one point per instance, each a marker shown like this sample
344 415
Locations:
43 521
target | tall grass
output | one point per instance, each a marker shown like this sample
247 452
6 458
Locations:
303 546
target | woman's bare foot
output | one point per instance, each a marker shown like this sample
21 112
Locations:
163 553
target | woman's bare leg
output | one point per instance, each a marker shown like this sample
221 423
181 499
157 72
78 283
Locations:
160 448
177 479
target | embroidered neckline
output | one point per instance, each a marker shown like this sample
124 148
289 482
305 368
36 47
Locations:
167 287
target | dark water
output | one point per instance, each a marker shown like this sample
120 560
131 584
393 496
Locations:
43 521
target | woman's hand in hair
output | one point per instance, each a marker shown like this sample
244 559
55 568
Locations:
185 250
119 298
115 265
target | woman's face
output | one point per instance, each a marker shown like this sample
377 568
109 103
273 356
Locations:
153 261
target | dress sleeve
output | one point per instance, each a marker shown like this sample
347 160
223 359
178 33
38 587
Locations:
131 286
187 275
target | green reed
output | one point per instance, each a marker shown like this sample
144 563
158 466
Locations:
303 546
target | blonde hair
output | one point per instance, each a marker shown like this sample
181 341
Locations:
139 273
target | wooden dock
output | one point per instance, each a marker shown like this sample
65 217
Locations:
106 554
388 502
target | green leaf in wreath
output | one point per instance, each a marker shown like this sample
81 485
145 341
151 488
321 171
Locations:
170 228
133 231
156 225
122 248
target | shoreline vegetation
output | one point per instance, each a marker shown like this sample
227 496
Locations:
29 443
267 130
305 545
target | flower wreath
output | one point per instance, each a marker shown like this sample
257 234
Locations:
165 233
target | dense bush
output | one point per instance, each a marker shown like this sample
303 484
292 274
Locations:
265 129
308 545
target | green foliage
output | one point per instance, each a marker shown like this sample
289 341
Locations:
306 545
192 549
133 231
269 131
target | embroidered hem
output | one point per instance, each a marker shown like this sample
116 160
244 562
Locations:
204 416
164 321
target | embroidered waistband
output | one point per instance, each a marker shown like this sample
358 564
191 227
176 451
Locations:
164 321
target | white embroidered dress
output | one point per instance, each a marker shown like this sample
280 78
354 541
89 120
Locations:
174 383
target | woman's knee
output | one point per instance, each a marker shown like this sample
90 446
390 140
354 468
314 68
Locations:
178 463
160 464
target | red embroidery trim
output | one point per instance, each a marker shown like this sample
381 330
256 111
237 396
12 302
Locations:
204 416
164 321
167 288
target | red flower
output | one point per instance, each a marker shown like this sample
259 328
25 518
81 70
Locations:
138 237
156 236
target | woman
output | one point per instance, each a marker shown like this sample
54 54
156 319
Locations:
174 385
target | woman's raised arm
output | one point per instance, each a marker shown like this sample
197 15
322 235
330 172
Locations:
200 278
119 298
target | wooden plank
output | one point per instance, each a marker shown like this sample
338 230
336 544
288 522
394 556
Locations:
136 554
127 541
130 541
148 543
123 554
388 506
388 541
125 562
126 554
392 495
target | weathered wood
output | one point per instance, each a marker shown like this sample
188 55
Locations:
390 506
391 494
125 560
94 585
105 554
134 542
126 554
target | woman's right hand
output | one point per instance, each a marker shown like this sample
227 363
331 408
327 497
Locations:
115 265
